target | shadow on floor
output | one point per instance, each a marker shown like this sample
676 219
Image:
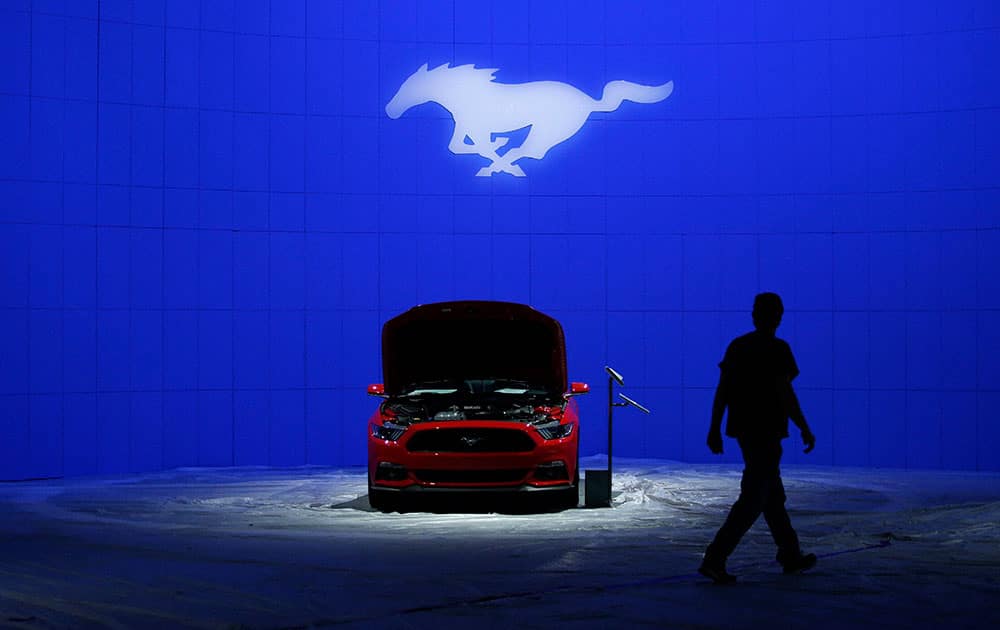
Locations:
466 503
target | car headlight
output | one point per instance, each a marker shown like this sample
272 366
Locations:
387 431
555 431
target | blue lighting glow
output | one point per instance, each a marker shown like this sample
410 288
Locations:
206 215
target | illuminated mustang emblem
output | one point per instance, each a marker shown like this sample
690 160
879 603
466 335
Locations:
484 111
470 441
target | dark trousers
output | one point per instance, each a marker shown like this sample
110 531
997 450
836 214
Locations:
761 491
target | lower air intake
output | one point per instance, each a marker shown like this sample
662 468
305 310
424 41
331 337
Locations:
471 476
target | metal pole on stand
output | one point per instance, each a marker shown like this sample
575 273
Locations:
598 482
611 408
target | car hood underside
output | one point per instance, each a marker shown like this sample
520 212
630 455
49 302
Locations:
455 341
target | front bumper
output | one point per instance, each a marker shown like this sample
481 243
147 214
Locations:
548 465
416 488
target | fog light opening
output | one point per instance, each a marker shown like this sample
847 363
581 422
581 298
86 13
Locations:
388 471
552 471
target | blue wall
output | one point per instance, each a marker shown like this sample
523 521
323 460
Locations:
205 216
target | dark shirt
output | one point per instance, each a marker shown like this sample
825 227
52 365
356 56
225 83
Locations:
756 372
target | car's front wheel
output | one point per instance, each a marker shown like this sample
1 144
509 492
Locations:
566 499
382 500
570 497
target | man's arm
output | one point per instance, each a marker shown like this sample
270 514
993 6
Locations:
796 415
718 410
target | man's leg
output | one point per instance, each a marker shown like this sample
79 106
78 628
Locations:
754 487
790 555
779 523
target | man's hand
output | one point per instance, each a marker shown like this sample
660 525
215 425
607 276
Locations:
808 439
715 441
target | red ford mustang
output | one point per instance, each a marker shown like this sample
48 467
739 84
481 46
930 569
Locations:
475 398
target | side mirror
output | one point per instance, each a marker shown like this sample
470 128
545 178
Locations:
376 389
575 389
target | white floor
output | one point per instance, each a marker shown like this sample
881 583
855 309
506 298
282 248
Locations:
299 548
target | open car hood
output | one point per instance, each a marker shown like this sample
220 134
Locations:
473 339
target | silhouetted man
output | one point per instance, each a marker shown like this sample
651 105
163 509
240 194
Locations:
755 385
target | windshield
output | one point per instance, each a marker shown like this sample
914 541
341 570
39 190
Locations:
442 386
503 387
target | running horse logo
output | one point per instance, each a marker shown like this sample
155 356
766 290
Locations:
484 110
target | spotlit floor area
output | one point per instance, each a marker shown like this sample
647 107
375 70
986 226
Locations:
299 548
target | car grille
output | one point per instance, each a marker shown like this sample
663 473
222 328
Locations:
471 476
470 441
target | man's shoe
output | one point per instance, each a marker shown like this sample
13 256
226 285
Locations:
716 572
798 564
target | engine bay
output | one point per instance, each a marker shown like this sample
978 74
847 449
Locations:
452 406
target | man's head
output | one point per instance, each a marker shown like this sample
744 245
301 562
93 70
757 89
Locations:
767 312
